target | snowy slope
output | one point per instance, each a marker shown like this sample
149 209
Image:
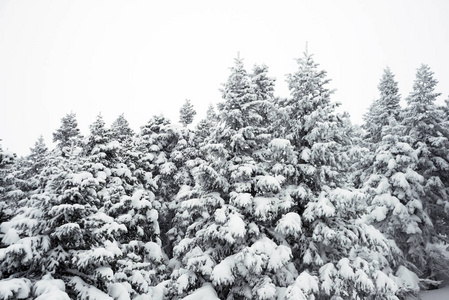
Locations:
440 294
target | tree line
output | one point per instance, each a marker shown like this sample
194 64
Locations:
266 198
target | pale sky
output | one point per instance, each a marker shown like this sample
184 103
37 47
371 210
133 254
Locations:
143 58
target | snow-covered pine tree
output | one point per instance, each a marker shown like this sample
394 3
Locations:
211 115
93 226
378 116
227 220
309 121
156 154
383 108
124 199
204 127
38 155
185 156
67 136
395 191
153 147
6 157
6 161
42 236
99 137
22 179
335 253
370 124
423 123
120 130
186 113
264 90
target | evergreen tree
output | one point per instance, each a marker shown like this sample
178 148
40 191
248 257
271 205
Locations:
38 155
309 121
396 189
92 225
6 158
264 89
223 220
204 127
121 131
211 115
389 98
382 109
156 166
98 141
371 125
423 124
376 121
68 135
186 113
330 238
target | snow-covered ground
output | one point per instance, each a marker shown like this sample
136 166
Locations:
207 292
440 294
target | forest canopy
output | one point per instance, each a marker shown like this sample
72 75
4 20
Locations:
264 198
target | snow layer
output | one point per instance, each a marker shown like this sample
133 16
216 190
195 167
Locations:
16 288
440 294
49 288
206 292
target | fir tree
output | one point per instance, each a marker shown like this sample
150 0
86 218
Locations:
330 233
98 141
223 220
6 158
204 127
264 89
186 113
38 155
423 124
211 115
396 189
121 131
68 135
384 108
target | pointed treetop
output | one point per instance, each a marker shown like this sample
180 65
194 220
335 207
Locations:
186 113
423 86
120 129
211 115
68 132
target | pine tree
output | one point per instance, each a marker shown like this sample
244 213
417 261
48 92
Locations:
186 113
121 131
99 141
68 135
6 157
211 115
204 127
38 155
396 189
370 123
423 124
383 109
264 89
332 248
223 220
93 225
156 168
6 162
309 121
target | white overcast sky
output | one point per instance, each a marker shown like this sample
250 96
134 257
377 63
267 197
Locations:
143 58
